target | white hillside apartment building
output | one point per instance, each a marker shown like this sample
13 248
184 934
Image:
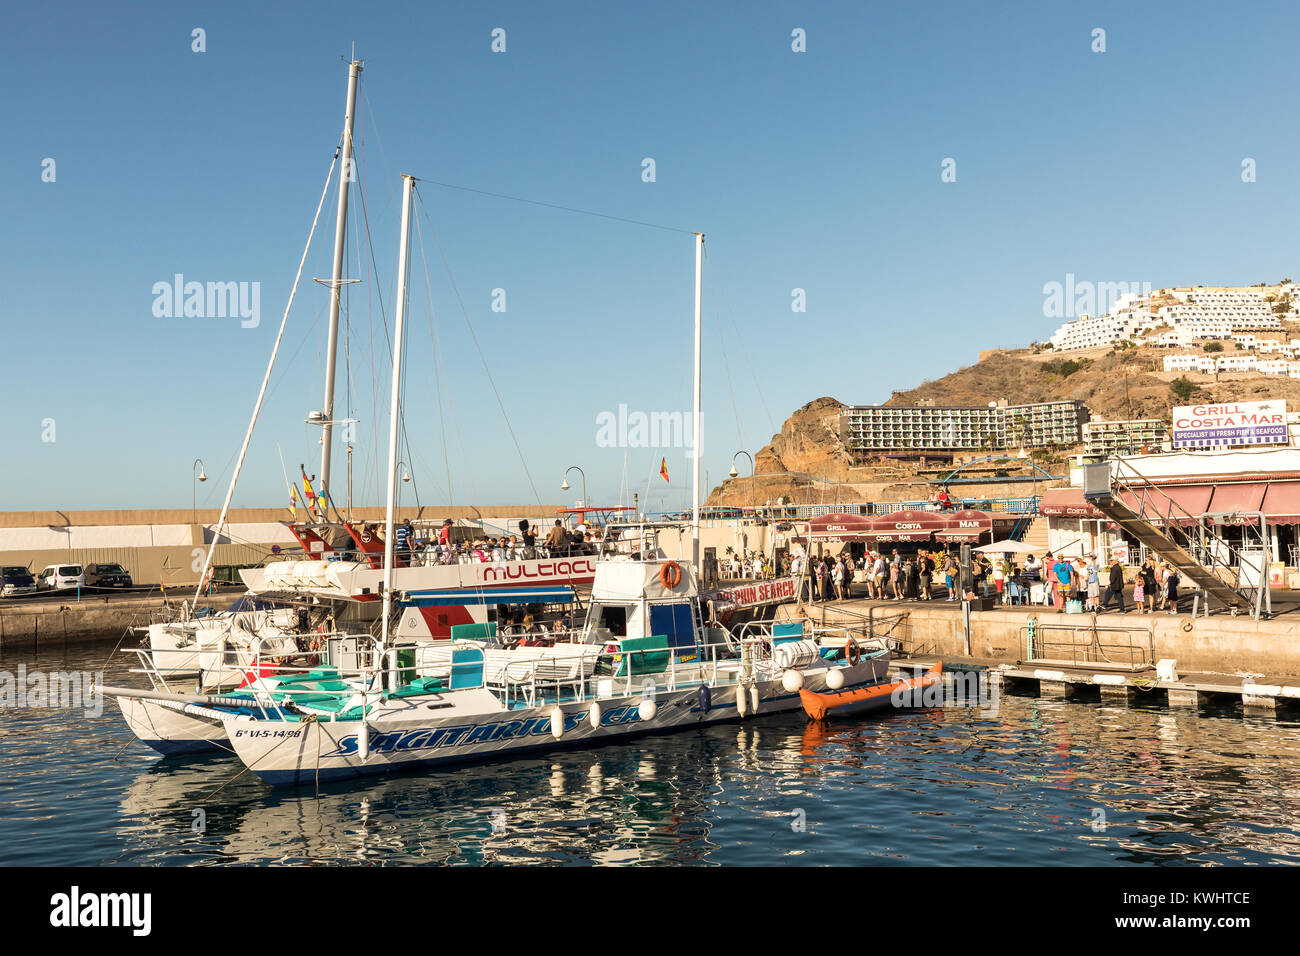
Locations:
1241 318
1179 317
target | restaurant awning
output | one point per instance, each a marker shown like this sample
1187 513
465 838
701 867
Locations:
839 526
1177 504
1282 502
965 526
907 525
1247 497
1066 503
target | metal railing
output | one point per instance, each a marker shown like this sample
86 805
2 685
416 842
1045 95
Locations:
1084 643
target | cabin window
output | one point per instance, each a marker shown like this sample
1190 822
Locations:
615 619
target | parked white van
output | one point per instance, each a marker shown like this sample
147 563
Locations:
61 577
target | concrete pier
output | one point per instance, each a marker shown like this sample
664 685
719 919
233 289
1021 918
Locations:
29 625
1221 644
1036 650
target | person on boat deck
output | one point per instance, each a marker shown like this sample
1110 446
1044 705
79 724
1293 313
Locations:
555 540
403 533
530 539
444 534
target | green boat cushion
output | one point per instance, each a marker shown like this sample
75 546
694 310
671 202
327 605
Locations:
644 655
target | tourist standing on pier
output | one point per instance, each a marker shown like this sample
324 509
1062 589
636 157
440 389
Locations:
1049 579
1094 584
1162 577
925 574
1147 580
1115 586
1063 571
1171 589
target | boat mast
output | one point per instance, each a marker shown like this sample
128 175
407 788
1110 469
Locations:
695 481
408 184
336 284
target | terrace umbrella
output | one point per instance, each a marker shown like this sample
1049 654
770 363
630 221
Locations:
1007 547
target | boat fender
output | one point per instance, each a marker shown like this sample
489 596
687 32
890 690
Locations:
363 741
835 679
593 715
705 697
742 701
791 680
753 699
557 723
647 709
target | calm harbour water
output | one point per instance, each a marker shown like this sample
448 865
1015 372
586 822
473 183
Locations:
1039 782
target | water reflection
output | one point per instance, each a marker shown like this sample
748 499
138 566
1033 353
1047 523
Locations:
1040 781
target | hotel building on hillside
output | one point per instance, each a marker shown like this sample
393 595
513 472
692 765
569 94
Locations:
1124 437
869 430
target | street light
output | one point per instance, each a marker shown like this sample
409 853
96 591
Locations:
194 488
564 486
733 473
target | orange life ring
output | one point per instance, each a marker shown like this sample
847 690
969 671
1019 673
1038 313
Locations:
670 575
852 652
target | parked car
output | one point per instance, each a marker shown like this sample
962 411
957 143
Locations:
107 576
61 577
15 581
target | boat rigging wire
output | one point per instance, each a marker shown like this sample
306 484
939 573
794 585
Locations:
477 347
552 205
261 395
437 366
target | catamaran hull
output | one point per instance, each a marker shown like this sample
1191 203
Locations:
172 728
294 753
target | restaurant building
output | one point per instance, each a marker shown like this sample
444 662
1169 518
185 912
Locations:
1227 490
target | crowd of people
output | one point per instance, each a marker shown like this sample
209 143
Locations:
416 547
750 565
1052 582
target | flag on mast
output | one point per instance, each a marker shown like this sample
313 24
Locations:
293 502
312 503
663 469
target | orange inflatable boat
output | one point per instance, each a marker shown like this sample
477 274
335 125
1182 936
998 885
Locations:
836 703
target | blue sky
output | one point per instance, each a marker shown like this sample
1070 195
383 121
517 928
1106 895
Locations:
817 170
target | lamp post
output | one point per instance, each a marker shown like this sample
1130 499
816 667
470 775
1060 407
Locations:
194 488
564 486
733 473
406 477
